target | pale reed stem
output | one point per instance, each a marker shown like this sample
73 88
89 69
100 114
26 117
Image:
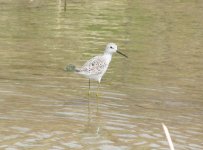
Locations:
168 136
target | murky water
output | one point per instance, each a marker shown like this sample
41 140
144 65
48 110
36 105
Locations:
43 107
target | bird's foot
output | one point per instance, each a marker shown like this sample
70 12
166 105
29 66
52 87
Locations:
98 94
89 93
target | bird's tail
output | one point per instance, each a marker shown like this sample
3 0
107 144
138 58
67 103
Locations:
70 68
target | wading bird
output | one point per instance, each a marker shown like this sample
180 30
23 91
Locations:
96 67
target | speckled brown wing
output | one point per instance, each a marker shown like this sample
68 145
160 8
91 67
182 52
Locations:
95 66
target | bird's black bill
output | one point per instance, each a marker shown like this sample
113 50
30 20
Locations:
122 54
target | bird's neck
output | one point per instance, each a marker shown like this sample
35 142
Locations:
108 56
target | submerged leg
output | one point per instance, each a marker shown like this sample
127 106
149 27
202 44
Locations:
89 88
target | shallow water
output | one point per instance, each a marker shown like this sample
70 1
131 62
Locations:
43 107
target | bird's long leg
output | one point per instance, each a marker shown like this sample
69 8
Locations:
98 97
89 88
89 118
98 90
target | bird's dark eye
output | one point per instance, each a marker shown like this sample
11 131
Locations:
111 47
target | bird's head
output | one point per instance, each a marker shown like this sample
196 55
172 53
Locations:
112 48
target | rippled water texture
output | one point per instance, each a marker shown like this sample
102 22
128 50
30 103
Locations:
44 107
